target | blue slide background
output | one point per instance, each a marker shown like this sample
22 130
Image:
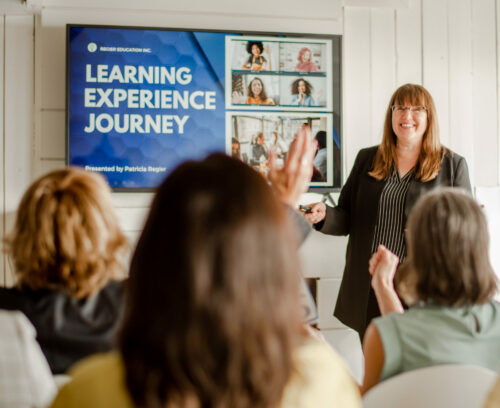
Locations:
204 131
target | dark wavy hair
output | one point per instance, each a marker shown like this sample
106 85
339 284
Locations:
448 261
321 138
262 95
259 44
213 313
295 86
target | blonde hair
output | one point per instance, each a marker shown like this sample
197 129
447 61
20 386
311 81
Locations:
66 234
432 152
448 261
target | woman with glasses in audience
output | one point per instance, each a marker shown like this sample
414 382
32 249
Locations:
213 317
449 284
384 184
67 252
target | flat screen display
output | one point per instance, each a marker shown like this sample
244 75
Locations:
140 101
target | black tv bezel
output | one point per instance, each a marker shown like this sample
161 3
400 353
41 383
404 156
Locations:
338 154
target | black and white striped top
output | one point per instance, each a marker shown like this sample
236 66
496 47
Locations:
389 230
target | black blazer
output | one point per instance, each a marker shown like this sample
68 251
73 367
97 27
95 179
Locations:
356 215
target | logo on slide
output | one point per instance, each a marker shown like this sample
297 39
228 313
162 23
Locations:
92 47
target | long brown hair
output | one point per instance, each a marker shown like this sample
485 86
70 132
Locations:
212 315
448 260
431 153
66 236
263 94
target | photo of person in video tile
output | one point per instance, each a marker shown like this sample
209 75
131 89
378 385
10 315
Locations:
256 93
301 90
256 61
305 64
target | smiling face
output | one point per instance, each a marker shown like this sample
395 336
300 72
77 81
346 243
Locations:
306 56
256 87
409 127
255 50
301 87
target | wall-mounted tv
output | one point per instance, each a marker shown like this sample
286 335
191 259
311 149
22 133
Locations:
142 100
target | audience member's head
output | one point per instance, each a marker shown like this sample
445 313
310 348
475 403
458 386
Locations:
448 261
321 139
66 235
213 312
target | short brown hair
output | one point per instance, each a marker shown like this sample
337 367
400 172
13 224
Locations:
448 260
432 152
66 235
213 311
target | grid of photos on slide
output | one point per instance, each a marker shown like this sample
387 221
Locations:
273 87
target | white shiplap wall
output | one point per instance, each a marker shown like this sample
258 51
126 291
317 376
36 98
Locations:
17 117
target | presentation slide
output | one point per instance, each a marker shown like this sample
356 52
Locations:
142 101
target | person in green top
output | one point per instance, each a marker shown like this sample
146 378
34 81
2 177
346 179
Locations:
447 281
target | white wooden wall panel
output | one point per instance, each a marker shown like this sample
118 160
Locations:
18 110
327 291
409 44
47 165
357 100
383 64
177 18
312 9
132 219
484 99
435 59
53 132
2 153
497 19
460 124
323 256
52 67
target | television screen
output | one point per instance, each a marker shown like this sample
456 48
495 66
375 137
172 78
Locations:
142 100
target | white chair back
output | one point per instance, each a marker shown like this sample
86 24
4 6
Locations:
25 377
453 385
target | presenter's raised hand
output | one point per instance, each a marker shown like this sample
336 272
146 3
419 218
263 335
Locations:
317 214
293 178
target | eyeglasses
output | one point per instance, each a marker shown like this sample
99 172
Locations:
418 110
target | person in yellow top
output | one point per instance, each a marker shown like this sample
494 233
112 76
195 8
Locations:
212 315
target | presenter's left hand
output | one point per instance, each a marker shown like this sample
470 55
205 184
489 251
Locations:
293 178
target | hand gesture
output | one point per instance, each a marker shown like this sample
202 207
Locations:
382 266
317 214
293 178
236 97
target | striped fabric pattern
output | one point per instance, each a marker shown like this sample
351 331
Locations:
389 230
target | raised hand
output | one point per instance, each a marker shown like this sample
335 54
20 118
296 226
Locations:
293 178
382 266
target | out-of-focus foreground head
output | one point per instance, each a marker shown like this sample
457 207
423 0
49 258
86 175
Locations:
66 234
213 311
448 243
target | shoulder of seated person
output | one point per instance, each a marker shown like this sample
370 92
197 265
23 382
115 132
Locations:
96 366
319 352
323 376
